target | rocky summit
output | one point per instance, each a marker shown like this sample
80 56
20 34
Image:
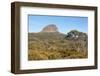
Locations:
50 28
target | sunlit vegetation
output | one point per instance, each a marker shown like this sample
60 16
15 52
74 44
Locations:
48 46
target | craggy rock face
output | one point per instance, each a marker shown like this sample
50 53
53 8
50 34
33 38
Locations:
50 28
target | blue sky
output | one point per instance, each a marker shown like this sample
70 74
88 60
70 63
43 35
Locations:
64 23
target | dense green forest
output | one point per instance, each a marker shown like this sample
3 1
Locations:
55 45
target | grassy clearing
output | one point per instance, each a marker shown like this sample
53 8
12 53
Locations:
48 46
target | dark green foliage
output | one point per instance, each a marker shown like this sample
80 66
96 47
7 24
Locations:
46 46
76 35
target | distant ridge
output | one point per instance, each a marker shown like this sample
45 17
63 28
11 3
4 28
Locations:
50 28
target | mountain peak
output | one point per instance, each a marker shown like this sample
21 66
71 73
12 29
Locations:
50 28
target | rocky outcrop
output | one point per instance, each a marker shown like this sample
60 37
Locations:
50 28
